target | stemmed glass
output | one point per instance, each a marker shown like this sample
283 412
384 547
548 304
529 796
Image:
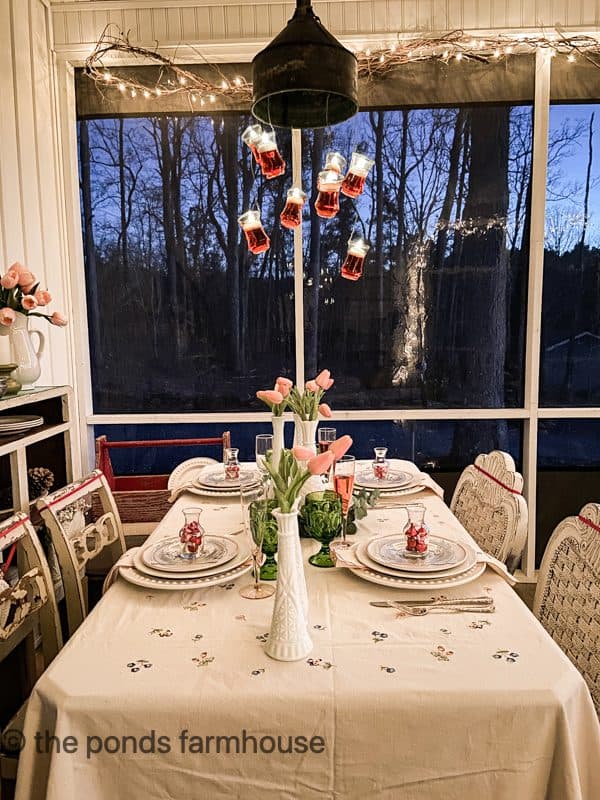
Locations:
263 446
343 483
255 512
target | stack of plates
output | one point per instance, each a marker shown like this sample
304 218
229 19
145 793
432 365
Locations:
397 482
213 481
18 425
159 565
447 563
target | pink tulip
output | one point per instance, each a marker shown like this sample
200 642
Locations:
318 465
341 446
29 302
26 279
18 267
43 297
270 396
285 382
329 384
325 410
312 386
282 388
58 319
10 280
322 378
7 316
302 453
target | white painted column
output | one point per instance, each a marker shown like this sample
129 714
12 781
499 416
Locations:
298 263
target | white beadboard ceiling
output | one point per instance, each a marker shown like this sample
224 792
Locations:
80 22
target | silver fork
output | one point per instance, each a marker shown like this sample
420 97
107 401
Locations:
421 611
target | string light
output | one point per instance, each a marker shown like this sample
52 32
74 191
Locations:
174 79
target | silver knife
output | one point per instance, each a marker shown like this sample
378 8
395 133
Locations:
483 601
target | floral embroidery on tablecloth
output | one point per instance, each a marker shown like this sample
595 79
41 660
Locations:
319 662
149 597
241 617
446 632
378 636
262 637
441 653
197 636
507 655
203 659
257 671
164 633
478 624
319 627
194 606
390 670
136 666
227 586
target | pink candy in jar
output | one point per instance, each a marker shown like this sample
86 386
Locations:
416 531
232 464
191 534
381 466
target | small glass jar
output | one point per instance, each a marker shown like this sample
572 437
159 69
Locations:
352 268
232 464
256 236
251 137
291 216
416 531
355 180
191 534
381 466
271 162
327 203
335 161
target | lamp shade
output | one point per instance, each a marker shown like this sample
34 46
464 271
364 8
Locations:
304 78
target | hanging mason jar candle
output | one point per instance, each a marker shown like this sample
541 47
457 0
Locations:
335 161
291 216
251 137
327 203
352 268
354 182
271 162
256 236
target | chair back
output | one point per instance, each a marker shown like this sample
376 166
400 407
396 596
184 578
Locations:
567 597
30 599
488 503
77 541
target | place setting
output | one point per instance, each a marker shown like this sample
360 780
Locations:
392 478
215 480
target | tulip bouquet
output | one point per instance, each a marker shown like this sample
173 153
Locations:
307 405
277 398
297 466
20 292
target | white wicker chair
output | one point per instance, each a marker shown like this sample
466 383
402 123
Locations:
488 503
567 597
78 542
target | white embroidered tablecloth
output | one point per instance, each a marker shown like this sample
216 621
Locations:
446 706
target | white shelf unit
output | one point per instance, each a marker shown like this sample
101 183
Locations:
55 405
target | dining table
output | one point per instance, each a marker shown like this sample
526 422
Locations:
170 694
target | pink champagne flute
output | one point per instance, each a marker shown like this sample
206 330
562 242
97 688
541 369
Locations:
343 483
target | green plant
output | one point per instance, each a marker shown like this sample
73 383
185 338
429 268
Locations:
361 502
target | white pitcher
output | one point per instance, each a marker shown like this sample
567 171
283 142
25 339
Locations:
22 350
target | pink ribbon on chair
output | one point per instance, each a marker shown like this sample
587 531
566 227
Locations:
11 553
493 478
589 522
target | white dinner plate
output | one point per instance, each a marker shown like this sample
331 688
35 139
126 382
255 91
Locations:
164 555
131 575
425 584
188 471
442 553
396 479
215 478
363 556
242 556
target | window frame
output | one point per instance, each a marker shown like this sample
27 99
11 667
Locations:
530 412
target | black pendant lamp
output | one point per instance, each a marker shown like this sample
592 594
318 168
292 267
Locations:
304 78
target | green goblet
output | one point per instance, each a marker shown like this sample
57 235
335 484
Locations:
264 526
322 517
